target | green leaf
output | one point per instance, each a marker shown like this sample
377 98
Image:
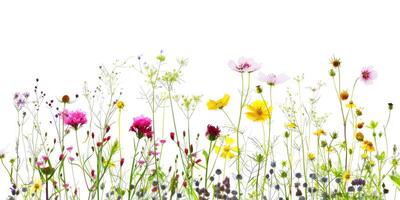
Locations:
396 180
115 147
205 154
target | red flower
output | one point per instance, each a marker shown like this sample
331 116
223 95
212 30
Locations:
172 136
142 127
212 132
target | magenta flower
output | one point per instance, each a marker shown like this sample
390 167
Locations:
213 132
244 65
142 127
75 119
272 79
368 74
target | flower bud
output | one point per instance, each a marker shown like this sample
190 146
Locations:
259 89
390 106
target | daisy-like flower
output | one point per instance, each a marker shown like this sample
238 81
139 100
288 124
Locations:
335 62
272 79
368 146
244 65
218 104
227 151
258 111
319 132
36 186
351 105
368 74
346 176
142 127
75 119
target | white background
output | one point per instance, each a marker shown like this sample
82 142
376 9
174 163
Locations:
62 43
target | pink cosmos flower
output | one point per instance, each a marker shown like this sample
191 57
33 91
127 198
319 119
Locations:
272 79
368 74
244 65
142 127
74 118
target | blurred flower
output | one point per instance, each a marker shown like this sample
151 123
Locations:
319 132
344 95
346 176
74 119
335 62
227 150
351 104
258 111
36 186
244 65
20 100
290 125
311 156
142 127
359 136
272 79
368 74
218 104
368 146
212 132
120 104
65 99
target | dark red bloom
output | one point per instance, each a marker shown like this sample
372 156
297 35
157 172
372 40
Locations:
212 132
172 136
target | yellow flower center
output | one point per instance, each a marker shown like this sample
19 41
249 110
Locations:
227 148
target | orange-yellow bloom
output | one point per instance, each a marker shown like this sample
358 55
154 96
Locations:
368 146
319 132
259 111
218 104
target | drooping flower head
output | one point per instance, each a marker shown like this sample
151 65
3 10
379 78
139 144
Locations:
244 65
212 132
142 127
218 104
227 151
259 111
273 79
368 74
75 119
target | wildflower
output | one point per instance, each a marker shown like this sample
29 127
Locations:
259 111
351 104
311 156
359 136
212 132
335 62
244 65
259 89
75 119
142 127
344 95
227 150
20 100
319 132
368 146
120 104
65 99
218 104
163 141
141 162
172 135
368 74
360 125
290 125
36 186
358 112
272 79
2 154
69 149
161 58
346 176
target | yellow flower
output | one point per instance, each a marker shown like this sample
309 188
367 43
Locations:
36 186
319 132
120 104
346 176
330 149
259 111
311 156
109 164
368 146
291 125
351 104
227 151
218 104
